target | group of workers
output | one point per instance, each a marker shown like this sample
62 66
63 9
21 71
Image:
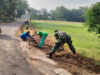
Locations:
61 37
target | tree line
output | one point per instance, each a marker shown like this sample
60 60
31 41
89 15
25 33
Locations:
90 16
60 13
11 9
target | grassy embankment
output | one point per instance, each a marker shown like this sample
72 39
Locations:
87 44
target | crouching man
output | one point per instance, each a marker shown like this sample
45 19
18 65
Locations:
62 38
26 36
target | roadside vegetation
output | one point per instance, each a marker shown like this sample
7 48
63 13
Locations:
87 44
12 9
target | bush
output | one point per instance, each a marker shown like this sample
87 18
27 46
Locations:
93 18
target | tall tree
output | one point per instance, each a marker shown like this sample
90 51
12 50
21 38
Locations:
93 18
21 8
9 9
33 13
62 13
44 14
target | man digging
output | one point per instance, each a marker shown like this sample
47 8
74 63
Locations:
26 36
62 38
43 36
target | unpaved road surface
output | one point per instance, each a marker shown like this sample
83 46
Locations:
11 62
17 59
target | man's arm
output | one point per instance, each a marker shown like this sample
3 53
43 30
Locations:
30 36
26 37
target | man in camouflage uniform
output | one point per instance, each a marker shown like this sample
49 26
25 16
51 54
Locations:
62 38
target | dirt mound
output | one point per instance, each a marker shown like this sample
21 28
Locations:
48 42
76 64
79 61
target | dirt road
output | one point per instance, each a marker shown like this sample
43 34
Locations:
11 62
17 59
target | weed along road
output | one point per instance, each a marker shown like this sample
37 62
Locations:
17 59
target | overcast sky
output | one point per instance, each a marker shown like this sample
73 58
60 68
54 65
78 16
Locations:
52 4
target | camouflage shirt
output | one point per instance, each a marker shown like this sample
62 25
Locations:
61 35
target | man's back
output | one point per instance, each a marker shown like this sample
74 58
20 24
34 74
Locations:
60 34
24 34
41 33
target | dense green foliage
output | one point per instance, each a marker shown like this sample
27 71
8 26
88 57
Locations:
60 13
93 18
10 9
36 14
86 44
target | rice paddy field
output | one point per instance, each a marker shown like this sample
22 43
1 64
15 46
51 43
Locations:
86 44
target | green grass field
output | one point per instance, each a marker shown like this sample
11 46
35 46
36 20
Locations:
87 44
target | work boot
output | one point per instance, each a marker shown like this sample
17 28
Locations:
49 56
39 47
73 50
60 49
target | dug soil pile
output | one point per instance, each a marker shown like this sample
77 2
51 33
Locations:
76 64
